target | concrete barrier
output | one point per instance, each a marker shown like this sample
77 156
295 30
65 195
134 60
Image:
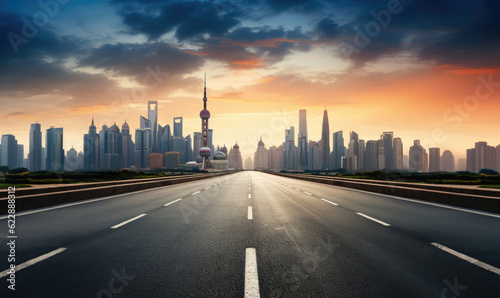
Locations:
100 189
477 201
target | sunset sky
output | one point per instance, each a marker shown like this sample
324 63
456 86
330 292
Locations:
430 71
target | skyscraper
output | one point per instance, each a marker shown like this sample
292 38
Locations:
325 142
20 155
153 120
127 152
314 162
388 150
164 135
434 160
55 151
9 151
261 157
447 161
205 150
302 140
35 152
371 155
353 152
338 149
196 146
91 148
398 153
417 157
178 127
143 144
290 157
234 158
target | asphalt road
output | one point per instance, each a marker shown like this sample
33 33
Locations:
250 234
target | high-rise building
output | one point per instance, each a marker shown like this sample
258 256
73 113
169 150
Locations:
189 148
155 161
9 151
261 157
143 144
381 153
144 122
205 151
178 144
55 151
418 157
482 156
398 153
274 159
196 146
302 140
127 147
35 152
388 150
325 142
178 127
165 135
361 155
434 160
91 148
290 157
248 163
372 155
234 158
314 162
447 161
171 160
338 149
211 142
353 151
153 119
71 163
20 155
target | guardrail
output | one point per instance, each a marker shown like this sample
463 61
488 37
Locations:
93 190
446 195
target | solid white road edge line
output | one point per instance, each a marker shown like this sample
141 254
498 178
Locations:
467 258
33 261
251 276
127 221
374 219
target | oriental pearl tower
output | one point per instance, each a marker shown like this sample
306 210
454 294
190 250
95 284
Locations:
205 115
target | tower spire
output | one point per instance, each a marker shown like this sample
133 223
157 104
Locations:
205 93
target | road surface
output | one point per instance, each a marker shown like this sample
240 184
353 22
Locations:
252 234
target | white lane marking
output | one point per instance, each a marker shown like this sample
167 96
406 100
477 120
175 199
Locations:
250 213
307 193
421 202
467 258
127 221
208 187
195 193
374 219
87 201
33 261
172 202
249 196
251 275
249 188
329 202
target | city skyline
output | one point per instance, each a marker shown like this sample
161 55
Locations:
266 61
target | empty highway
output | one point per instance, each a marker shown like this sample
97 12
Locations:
253 234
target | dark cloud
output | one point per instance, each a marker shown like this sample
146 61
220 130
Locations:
133 59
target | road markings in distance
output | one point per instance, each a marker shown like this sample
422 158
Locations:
33 261
172 202
249 196
467 258
251 276
208 187
307 193
375 220
127 221
195 193
250 213
329 202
